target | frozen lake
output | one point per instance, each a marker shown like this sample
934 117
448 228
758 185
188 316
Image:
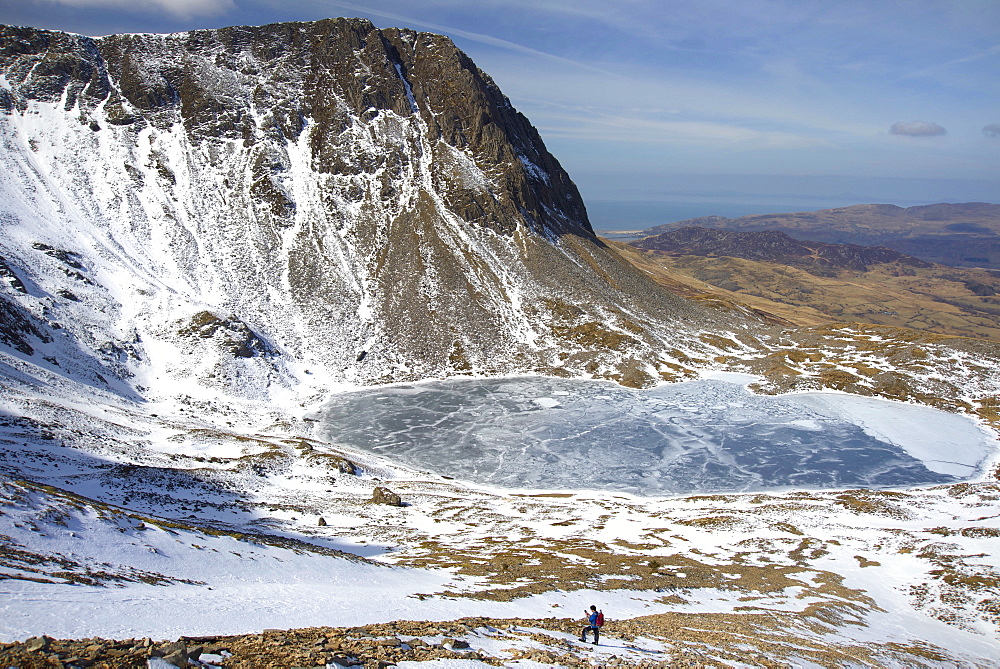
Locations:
702 436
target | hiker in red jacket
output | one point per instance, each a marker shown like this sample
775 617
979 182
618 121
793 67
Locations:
596 620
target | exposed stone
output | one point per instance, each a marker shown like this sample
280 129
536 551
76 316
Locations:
382 495
344 465
172 647
231 334
177 658
18 328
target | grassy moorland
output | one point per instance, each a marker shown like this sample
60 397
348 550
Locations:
939 299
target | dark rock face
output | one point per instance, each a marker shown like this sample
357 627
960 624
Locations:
773 246
9 276
44 65
364 201
331 72
18 329
385 496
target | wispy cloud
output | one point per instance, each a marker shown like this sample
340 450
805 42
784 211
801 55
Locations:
607 128
648 127
646 98
479 37
176 8
916 129
803 86
934 69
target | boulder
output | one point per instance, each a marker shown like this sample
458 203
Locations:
385 496
177 658
171 648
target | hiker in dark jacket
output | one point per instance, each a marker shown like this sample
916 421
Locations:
596 620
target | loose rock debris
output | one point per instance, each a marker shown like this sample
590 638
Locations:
663 640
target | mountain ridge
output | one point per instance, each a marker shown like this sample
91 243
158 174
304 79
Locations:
960 234
346 204
773 246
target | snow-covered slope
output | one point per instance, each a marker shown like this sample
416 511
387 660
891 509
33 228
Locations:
253 209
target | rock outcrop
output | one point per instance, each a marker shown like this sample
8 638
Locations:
382 495
300 204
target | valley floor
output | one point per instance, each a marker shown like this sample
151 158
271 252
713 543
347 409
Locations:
126 522
891 578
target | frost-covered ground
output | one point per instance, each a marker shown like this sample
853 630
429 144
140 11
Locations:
203 534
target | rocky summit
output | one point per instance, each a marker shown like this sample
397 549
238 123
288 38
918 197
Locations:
264 207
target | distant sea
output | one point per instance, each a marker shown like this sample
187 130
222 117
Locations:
620 215
626 206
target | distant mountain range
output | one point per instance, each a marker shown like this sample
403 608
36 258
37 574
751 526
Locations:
809 283
963 235
774 246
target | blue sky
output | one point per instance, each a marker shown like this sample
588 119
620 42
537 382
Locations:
756 105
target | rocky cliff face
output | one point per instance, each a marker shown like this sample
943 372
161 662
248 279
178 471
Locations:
256 208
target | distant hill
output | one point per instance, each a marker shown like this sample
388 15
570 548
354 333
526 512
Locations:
962 235
810 283
777 247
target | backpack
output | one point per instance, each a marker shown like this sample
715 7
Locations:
600 619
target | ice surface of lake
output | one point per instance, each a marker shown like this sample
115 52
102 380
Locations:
700 436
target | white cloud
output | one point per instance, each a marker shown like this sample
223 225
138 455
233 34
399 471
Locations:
642 96
177 8
992 130
590 124
916 129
